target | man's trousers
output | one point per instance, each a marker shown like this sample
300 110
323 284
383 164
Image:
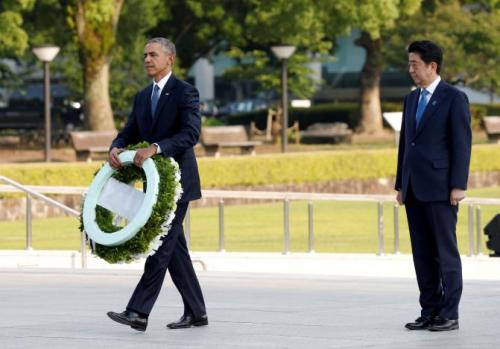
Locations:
435 255
173 255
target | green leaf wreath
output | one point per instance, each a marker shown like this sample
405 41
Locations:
148 237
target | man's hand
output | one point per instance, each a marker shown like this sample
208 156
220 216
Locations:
456 196
114 161
399 198
143 154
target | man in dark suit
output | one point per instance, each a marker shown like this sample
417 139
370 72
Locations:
432 173
165 114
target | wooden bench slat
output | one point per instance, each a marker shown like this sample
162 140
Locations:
86 143
492 128
99 149
216 137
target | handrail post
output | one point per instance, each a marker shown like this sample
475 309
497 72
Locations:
29 227
310 216
471 230
83 245
187 227
380 233
83 249
396 229
478 230
286 225
221 226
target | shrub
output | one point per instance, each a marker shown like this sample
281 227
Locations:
257 170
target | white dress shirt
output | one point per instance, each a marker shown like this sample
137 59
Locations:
431 88
161 84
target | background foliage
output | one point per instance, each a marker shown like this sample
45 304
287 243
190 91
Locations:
469 31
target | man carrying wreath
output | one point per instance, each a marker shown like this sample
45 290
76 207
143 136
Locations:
166 114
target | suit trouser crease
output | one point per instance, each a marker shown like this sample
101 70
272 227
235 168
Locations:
435 255
173 255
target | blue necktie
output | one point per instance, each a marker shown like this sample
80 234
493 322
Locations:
422 103
154 100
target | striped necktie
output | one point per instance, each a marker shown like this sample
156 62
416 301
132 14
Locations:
422 103
154 100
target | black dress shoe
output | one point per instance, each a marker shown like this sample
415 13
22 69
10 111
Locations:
441 324
422 323
187 321
130 318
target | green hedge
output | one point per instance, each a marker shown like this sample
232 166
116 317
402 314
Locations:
493 109
257 170
63 174
345 112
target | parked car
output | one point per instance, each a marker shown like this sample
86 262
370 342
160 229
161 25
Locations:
22 112
244 106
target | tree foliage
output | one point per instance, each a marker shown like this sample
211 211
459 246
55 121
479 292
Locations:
200 28
377 20
13 37
268 23
468 32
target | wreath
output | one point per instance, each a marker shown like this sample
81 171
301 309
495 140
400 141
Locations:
148 238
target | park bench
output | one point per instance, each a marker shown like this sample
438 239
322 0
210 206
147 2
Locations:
213 138
492 127
87 143
332 133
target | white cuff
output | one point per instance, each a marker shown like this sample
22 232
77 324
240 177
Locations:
158 149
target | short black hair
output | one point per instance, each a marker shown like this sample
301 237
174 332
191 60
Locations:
428 52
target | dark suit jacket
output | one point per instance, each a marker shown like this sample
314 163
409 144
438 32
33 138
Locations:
435 156
175 128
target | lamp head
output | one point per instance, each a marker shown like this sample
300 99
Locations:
283 51
46 53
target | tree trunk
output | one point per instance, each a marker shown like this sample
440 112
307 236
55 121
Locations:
371 111
96 32
97 105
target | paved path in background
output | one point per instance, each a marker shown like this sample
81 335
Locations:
66 309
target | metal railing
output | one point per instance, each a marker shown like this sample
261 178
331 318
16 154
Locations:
34 192
379 200
286 197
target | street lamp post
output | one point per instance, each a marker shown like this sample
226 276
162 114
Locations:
283 52
46 54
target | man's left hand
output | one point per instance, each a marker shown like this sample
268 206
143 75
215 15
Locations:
456 196
143 154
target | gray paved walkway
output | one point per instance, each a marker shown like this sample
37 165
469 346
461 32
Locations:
66 309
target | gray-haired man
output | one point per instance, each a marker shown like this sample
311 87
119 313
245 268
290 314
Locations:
167 115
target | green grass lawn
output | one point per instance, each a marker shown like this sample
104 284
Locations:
338 227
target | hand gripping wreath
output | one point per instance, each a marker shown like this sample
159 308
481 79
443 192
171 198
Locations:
149 214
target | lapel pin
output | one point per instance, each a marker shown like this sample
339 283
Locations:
434 103
167 93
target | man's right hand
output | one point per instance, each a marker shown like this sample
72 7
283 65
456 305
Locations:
114 161
399 198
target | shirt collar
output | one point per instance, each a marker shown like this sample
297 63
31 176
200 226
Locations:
432 87
161 84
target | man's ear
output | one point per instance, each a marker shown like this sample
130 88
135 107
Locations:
434 66
172 59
